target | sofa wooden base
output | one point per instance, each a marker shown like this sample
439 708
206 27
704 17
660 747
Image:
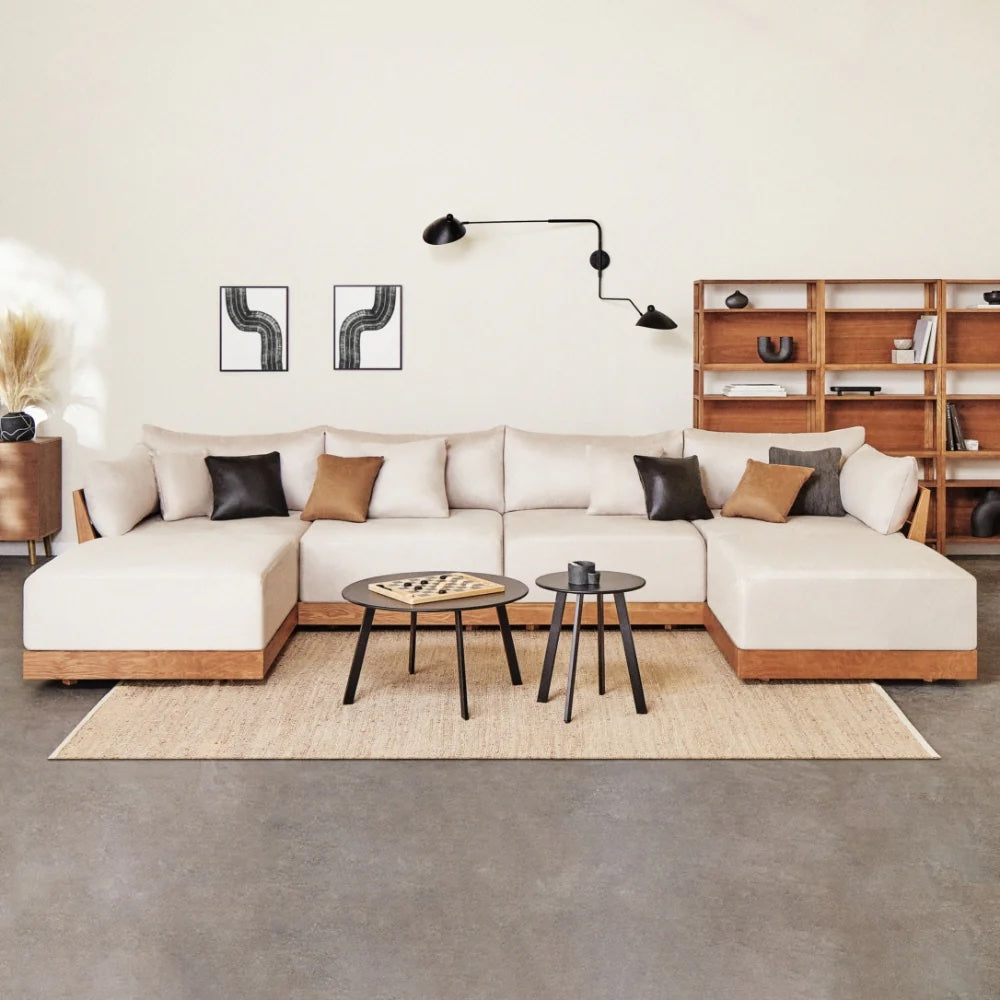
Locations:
520 613
842 664
158 664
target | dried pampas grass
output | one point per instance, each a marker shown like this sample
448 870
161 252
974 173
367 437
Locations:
27 357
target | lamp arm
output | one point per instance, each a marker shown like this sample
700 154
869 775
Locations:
600 251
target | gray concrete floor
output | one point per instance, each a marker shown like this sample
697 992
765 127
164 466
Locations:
439 880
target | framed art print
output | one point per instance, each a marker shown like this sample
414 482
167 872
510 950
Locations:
253 328
367 327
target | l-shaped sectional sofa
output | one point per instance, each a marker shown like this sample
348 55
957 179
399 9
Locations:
816 597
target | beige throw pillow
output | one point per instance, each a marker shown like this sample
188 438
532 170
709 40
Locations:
766 492
120 493
879 489
343 488
411 481
183 482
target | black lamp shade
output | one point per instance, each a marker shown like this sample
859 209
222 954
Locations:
444 230
653 319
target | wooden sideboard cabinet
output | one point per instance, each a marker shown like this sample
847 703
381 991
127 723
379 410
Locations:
31 492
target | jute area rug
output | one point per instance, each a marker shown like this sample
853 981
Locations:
697 707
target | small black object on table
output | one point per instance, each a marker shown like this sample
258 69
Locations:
358 593
618 584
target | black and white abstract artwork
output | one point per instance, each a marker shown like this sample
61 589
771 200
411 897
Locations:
367 327
253 328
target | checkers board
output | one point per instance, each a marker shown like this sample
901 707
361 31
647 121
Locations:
435 587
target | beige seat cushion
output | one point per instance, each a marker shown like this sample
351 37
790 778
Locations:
336 553
165 586
669 555
833 583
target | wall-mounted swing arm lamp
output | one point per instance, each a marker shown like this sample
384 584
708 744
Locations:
448 229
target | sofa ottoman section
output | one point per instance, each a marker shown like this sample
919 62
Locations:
670 555
164 604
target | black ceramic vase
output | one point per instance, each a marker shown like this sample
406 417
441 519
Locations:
766 351
992 298
18 426
985 521
737 300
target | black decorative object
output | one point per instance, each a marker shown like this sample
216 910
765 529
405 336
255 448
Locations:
737 300
368 327
992 298
246 486
17 426
985 520
448 229
265 318
672 488
578 572
766 351
841 389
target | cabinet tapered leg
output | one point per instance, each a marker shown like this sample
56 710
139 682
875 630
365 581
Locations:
32 558
47 542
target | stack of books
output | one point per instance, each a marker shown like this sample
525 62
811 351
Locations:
955 437
754 389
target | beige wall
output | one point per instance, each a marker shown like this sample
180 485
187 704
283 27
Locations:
160 150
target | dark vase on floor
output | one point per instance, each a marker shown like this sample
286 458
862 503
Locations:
737 300
985 520
766 351
17 426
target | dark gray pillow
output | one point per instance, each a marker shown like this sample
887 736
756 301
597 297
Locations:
246 486
821 494
672 487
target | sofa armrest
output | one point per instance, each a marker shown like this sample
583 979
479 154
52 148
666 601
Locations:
916 523
85 530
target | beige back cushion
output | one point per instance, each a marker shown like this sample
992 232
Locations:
551 470
298 449
723 455
474 465
879 489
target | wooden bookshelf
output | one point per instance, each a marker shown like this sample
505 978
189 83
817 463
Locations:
843 329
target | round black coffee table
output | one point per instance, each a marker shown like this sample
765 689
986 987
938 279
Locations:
358 593
618 584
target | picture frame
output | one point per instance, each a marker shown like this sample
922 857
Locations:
367 327
253 328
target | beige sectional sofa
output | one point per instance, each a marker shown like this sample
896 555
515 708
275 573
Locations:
824 597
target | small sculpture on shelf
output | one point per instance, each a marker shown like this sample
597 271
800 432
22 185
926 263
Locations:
766 351
737 300
992 298
985 520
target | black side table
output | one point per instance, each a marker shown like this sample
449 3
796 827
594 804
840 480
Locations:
618 584
358 593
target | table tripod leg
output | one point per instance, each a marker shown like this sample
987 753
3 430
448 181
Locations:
359 656
508 645
460 645
553 645
413 641
577 614
600 644
633 663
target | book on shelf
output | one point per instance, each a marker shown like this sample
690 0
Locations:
949 433
754 389
921 331
931 342
958 438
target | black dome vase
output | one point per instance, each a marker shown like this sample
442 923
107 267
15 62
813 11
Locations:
18 426
737 300
985 520
992 298
766 351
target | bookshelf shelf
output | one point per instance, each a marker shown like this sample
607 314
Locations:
847 325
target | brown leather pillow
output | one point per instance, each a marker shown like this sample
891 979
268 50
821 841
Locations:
343 488
766 492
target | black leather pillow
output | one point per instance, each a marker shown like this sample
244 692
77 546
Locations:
821 494
673 488
246 486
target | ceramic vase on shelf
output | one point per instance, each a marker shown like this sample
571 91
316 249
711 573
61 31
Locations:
737 300
767 353
985 520
18 426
